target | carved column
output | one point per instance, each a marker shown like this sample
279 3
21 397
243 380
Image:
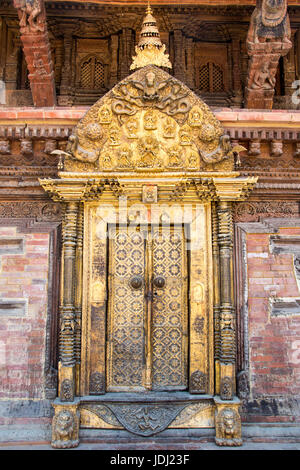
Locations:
236 71
3 48
179 55
36 46
228 422
190 68
114 44
289 68
65 98
78 294
216 290
227 315
126 52
67 310
59 55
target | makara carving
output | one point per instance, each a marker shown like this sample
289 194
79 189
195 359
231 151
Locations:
146 420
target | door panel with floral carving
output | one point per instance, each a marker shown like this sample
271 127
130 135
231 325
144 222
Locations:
148 310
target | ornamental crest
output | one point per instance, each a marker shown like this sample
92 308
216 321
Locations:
150 121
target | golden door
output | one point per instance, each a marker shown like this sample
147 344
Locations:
147 342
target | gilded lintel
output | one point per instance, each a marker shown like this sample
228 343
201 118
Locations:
73 189
65 425
205 187
234 189
228 423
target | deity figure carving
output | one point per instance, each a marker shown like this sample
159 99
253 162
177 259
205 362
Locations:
185 135
195 117
65 428
175 154
150 120
264 78
132 94
169 128
132 127
30 16
107 162
124 157
148 148
114 136
105 115
193 161
4 147
270 22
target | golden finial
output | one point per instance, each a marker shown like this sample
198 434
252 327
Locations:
150 50
149 11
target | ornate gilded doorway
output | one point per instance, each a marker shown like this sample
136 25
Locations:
148 309
147 333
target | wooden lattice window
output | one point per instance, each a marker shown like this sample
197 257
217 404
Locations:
211 78
92 74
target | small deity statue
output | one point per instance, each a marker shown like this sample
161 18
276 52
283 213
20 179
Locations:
105 115
132 127
148 148
169 128
124 157
150 120
175 153
195 117
114 136
264 78
185 136
107 163
193 160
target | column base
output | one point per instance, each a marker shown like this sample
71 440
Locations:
65 425
228 422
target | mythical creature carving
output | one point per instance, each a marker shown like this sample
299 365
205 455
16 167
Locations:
270 22
228 428
144 419
65 428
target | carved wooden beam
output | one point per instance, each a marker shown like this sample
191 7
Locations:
36 47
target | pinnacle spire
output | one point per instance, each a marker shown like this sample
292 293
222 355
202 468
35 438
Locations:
150 49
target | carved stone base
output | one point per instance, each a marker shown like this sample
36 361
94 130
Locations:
65 425
228 423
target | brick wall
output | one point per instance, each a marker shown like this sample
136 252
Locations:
23 313
274 316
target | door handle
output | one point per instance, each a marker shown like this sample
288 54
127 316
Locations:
159 282
136 282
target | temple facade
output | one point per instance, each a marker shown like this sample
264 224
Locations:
149 222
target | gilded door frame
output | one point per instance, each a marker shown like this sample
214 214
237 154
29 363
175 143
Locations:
200 299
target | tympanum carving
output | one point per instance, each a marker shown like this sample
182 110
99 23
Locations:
149 121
